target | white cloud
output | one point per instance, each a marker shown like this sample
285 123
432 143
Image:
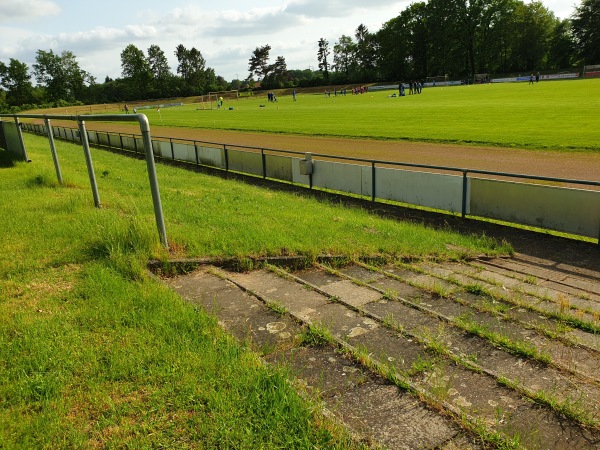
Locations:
342 8
141 31
27 10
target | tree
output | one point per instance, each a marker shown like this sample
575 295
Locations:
16 80
136 71
585 28
60 75
445 55
562 48
279 71
534 23
192 67
322 55
159 66
343 55
365 52
259 62
496 36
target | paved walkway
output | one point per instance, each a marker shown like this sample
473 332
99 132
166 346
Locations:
429 355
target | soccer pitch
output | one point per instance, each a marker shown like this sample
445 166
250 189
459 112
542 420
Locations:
546 115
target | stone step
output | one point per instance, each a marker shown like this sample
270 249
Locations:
451 379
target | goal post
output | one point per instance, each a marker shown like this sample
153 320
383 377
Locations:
591 71
204 102
439 80
227 95
218 97
481 78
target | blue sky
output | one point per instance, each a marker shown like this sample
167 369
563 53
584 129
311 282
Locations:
226 32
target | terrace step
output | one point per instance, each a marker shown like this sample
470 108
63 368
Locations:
458 362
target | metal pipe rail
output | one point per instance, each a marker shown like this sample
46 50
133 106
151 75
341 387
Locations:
362 161
144 125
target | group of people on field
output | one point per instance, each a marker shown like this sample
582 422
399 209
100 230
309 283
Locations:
126 109
537 78
414 87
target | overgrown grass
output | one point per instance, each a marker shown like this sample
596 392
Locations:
94 353
505 114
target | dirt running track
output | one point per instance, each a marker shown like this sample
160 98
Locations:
572 165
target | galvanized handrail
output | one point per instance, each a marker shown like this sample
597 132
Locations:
372 162
80 119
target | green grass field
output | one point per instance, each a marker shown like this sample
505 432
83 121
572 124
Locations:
548 115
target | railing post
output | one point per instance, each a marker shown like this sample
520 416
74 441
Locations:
464 194
20 134
88 161
373 181
158 212
264 163
53 150
172 149
226 158
196 152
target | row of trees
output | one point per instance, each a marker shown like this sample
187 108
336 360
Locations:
61 81
458 38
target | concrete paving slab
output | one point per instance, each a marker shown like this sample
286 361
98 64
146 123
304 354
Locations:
397 313
398 288
244 316
342 322
361 274
351 293
388 347
317 277
394 419
296 298
323 369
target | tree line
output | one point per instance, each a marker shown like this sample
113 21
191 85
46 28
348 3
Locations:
458 38
461 38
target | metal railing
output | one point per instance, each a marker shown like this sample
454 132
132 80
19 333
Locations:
115 140
83 137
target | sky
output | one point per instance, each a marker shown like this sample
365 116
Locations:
225 31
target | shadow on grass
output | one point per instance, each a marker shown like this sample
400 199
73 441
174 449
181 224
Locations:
6 159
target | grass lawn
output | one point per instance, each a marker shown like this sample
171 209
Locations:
95 353
547 115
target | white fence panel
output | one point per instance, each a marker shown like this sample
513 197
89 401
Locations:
92 137
279 167
352 178
162 148
568 210
184 152
432 190
212 156
247 162
297 175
